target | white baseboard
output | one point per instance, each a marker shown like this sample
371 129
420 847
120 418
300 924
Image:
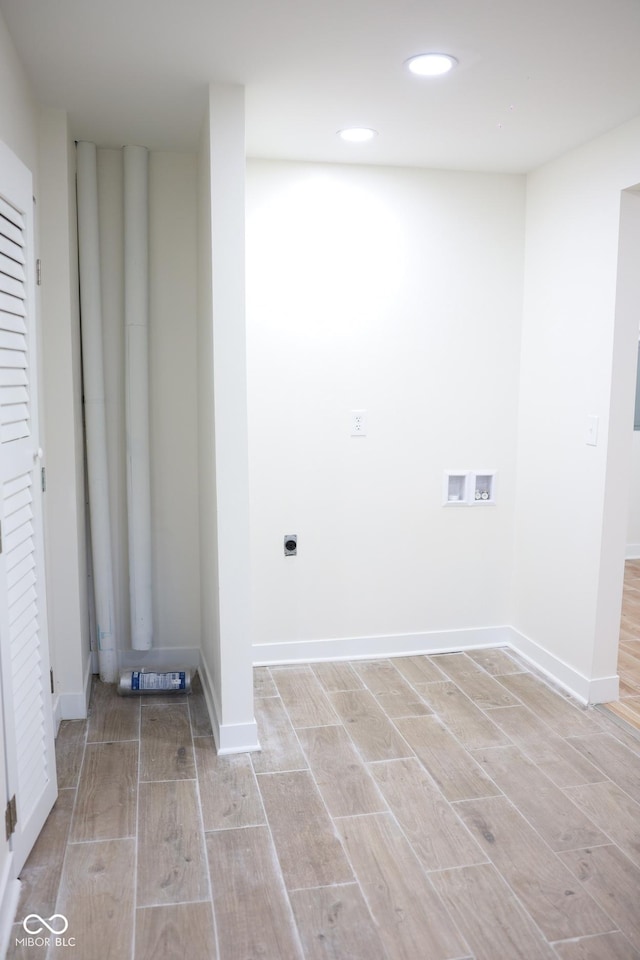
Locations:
380 647
596 690
632 552
75 706
9 896
229 737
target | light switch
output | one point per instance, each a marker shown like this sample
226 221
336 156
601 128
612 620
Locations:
592 430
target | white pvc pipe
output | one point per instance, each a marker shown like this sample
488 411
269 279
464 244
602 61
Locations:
136 318
94 403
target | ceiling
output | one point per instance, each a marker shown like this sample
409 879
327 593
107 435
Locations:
535 77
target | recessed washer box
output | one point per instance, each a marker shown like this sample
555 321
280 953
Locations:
469 488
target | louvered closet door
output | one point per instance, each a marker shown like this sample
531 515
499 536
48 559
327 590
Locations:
23 640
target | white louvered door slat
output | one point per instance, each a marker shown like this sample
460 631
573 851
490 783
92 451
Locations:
24 655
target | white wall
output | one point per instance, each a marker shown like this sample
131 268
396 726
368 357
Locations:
223 469
62 437
173 365
633 523
397 291
567 578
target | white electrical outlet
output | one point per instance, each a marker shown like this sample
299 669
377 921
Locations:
358 423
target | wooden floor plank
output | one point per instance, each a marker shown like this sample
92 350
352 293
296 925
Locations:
543 884
489 916
556 818
166 748
106 803
614 812
279 746
342 778
334 923
368 726
171 858
229 794
453 769
463 718
253 915
97 897
175 930
390 689
614 882
306 844
303 696
411 917
430 824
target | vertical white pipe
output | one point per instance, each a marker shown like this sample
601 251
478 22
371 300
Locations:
94 403
136 318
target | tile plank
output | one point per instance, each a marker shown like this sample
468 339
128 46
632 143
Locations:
112 717
614 812
162 933
279 746
564 717
411 918
475 682
607 946
555 756
542 883
166 748
106 802
368 726
40 876
70 743
453 769
263 685
303 696
337 676
489 916
253 915
390 689
497 662
229 793
419 670
614 759
308 849
431 825
97 896
562 824
334 922
466 721
342 778
171 858
613 881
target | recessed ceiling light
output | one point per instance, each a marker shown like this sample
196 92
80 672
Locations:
431 64
357 134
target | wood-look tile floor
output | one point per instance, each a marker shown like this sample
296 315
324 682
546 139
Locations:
628 705
427 808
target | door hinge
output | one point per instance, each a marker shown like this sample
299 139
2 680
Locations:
11 816
43 479
53 689
38 271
